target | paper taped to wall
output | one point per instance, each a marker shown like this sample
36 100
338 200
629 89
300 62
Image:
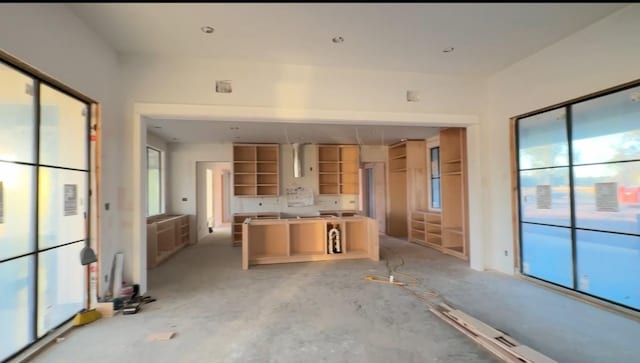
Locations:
299 197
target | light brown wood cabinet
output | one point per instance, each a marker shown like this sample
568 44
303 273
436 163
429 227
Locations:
306 239
256 170
338 167
455 220
238 219
166 235
407 185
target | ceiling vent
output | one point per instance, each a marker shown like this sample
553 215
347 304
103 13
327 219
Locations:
413 96
223 86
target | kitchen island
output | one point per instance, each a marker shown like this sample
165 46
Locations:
302 239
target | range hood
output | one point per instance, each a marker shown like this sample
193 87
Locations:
297 161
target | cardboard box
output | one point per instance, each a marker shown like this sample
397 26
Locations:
105 308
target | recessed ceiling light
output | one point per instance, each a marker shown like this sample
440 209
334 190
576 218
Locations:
337 40
447 50
207 29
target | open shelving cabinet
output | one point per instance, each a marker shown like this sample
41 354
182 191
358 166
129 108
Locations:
407 188
166 235
426 229
256 170
338 169
453 163
238 219
305 239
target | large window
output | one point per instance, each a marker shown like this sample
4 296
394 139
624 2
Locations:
434 161
44 205
579 192
155 202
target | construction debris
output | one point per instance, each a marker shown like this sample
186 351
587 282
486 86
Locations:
160 336
497 342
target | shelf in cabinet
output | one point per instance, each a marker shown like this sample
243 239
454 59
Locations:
454 230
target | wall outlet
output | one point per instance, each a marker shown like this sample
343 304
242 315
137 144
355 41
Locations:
506 253
184 199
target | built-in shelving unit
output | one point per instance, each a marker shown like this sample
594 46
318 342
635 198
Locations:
306 239
338 167
407 186
256 170
166 235
426 229
238 219
454 192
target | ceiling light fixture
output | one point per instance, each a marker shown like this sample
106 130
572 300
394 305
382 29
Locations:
447 50
337 39
207 29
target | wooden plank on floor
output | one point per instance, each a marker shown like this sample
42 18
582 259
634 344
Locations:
499 343
476 325
488 345
531 355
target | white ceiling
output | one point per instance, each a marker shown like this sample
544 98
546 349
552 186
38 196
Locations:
402 37
203 131
405 37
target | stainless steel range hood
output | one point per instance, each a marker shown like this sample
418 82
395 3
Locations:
297 161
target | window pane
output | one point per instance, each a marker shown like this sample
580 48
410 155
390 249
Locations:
17 212
607 128
435 162
63 130
607 197
61 286
546 253
542 140
62 205
16 305
16 116
435 193
609 266
154 182
544 196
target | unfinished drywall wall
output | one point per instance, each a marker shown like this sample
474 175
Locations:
600 56
192 81
54 40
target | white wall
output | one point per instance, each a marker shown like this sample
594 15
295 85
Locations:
192 81
51 38
600 56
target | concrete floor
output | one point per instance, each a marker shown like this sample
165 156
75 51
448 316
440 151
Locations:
325 311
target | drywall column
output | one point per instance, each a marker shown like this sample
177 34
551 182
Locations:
474 198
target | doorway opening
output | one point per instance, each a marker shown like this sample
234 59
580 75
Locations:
213 206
